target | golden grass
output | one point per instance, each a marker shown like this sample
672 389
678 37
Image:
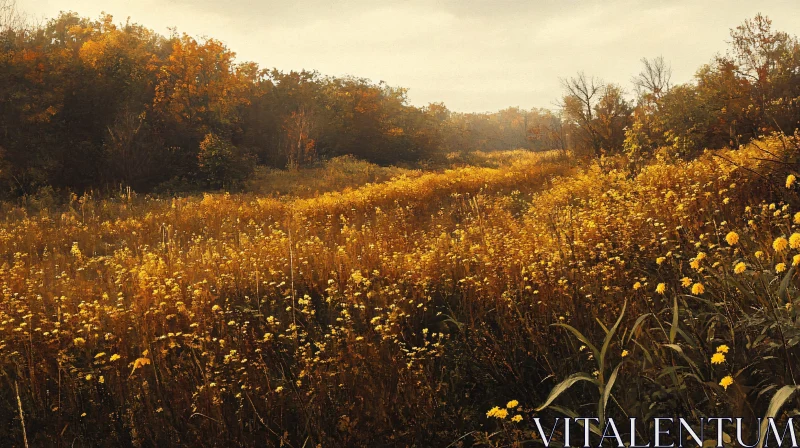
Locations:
398 310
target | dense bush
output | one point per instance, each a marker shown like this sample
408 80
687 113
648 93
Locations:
221 164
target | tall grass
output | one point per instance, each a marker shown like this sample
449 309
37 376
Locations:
399 311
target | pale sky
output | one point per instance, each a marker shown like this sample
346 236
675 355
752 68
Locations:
473 56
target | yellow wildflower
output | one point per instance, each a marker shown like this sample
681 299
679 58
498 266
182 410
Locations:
796 260
357 277
114 357
698 289
516 419
140 362
718 358
780 244
686 282
732 238
637 285
739 268
496 412
722 349
75 251
661 288
790 180
780 267
794 240
512 404
624 353
726 381
759 254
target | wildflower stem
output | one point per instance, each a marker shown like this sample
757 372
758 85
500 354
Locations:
21 415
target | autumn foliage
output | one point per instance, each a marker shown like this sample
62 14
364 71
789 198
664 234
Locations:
90 104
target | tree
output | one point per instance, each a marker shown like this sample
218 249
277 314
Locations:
654 79
613 115
579 102
548 131
300 146
201 89
599 111
751 90
770 62
10 18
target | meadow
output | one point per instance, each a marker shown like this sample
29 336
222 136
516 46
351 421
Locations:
439 307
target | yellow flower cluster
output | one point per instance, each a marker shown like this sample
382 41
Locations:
497 412
719 356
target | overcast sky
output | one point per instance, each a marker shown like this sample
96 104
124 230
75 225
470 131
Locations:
473 56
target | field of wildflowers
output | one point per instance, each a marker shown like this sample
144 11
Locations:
434 308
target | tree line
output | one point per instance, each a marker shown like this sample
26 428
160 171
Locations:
750 90
90 103
85 103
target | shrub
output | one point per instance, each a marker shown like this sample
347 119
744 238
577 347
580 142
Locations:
221 164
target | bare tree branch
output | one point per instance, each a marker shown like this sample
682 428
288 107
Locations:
654 78
581 97
10 17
